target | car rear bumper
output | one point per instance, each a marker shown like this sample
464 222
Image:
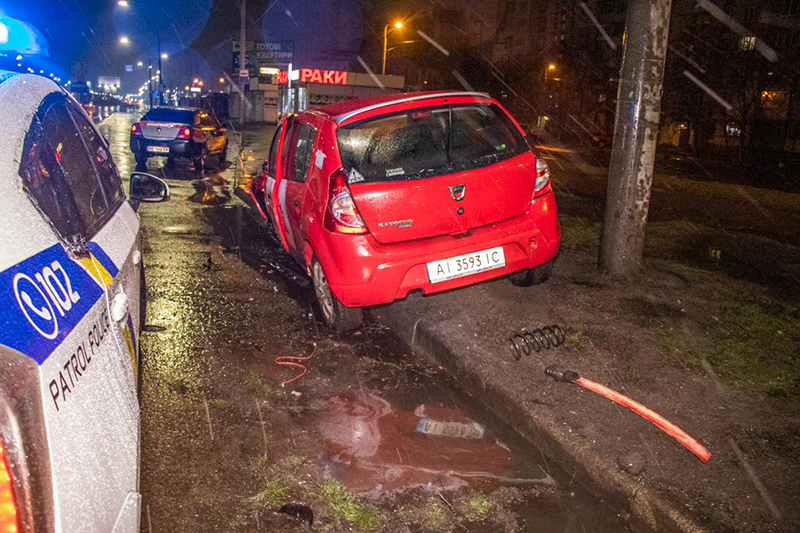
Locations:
177 147
363 272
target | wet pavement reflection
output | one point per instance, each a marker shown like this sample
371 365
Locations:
370 439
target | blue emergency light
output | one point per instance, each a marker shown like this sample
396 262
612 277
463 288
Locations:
21 38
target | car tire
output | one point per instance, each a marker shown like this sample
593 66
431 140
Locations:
532 276
200 161
141 159
336 315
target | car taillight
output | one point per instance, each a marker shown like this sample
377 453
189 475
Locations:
8 506
342 215
542 175
136 129
184 133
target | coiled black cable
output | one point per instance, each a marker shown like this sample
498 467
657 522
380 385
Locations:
526 342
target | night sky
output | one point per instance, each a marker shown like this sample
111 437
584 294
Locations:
196 34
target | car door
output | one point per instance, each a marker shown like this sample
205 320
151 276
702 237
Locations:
293 189
75 313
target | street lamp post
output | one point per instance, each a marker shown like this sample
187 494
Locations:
397 25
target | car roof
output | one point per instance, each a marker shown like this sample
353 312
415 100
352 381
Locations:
341 111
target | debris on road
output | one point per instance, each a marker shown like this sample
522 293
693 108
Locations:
525 342
689 442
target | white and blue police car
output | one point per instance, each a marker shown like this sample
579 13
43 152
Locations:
70 281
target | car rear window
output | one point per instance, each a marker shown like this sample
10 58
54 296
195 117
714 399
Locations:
164 114
428 142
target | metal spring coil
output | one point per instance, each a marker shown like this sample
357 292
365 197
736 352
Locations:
526 342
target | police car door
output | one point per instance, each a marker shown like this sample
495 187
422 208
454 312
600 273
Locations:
73 308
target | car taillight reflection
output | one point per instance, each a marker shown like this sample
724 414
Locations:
136 129
8 506
342 215
184 133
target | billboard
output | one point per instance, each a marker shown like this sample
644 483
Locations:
259 54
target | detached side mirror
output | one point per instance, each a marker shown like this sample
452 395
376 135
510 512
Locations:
148 189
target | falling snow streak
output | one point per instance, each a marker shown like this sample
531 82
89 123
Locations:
708 90
737 28
433 43
603 32
371 74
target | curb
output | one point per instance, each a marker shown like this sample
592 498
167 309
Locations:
648 510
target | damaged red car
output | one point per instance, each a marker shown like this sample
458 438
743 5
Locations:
381 196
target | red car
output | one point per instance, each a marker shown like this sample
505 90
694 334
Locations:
384 195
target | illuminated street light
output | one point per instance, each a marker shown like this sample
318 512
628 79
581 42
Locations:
124 40
19 57
222 80
164 55
397 25
551 66
139 64
123 3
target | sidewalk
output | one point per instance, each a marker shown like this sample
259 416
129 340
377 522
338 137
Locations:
716 356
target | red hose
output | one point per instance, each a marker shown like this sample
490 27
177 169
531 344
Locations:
671 429
282 360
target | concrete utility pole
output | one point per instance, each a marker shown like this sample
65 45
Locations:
242 61
630 173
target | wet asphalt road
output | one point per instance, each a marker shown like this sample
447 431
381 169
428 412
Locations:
225 445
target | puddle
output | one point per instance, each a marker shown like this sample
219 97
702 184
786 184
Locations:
376 448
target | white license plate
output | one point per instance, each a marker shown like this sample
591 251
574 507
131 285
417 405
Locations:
465 265
159 149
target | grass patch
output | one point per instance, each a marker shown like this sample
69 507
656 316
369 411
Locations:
274 494
753 345
344 505
479 506
256 385
575 340
576 232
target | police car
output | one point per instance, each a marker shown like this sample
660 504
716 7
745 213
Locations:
70 278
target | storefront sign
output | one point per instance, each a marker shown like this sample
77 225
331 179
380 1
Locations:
315 75
259 55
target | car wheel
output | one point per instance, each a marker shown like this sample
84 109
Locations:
532 276
200 162
338 317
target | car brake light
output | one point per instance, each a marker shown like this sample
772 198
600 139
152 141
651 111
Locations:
8 506
342 214
184 133
136 129
542 175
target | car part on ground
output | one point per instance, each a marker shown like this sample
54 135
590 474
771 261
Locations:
689 442
526 342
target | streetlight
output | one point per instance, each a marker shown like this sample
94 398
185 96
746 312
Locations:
164 55
124 40
549 70
222 80
139 63
122 3
397 25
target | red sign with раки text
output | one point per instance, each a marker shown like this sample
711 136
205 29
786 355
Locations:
315 75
